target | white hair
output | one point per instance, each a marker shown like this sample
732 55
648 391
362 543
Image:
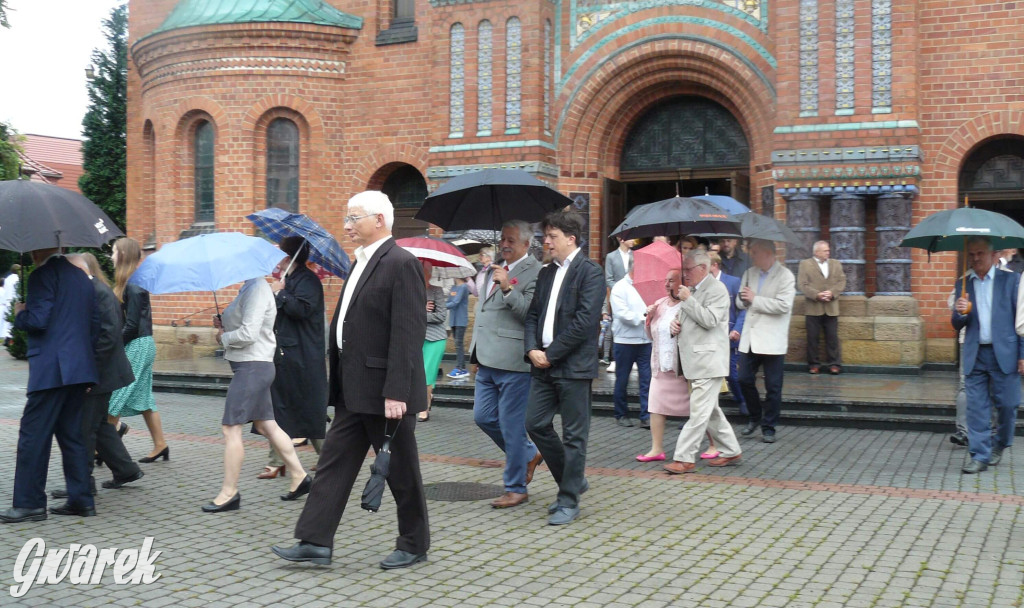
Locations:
525 231
375 202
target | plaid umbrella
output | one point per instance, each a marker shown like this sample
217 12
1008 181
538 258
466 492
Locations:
324 249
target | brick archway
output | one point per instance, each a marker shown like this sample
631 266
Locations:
969 136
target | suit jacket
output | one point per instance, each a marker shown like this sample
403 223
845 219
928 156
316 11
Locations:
704 335
58 321
573 352
1008 346
766 328
812 282
500 320
736 315
112 364
613 268
384 329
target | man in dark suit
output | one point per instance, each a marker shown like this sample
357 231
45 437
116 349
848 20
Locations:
377 386
561 336
993 354
115 372
58 321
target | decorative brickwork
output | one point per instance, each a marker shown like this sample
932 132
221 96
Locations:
513 75
484 78
808 57
457 81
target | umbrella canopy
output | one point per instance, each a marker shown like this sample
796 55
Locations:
324 249
757 226
676 216
731 205
206 262
439 253
950 230
650 265
35 215
486 199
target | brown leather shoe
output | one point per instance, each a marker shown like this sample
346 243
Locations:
723 461
678 468
510 499
814 369
834 370
532 466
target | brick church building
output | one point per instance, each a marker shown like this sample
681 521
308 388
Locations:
849 119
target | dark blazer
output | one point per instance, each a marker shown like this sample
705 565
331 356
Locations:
299 391
736 314
382 354
138 317
111 363
58 321
573 353
1008 346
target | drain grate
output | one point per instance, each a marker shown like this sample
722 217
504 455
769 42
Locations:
451 491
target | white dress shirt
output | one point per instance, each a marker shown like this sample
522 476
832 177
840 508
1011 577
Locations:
823 264
548 334
628 313
363 255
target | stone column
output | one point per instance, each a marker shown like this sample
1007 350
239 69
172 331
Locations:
892 266
847 234
803 216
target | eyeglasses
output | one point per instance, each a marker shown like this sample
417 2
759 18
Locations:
352 219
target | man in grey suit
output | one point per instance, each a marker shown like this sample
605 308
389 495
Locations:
703 335
502 376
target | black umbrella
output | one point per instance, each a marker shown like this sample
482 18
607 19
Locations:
676 216
488 198
757 226
36 215
374 490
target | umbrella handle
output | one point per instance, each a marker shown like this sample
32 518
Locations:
963 287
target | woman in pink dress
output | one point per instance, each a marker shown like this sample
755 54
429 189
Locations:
670 393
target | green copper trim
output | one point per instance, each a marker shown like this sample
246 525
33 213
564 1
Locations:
849 126
191 13
495 145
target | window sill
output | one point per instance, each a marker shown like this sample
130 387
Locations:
198 228
398 35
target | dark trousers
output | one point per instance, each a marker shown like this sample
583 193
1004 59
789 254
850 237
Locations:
101 437
342 456
734 378
566 458
48 413
814 324
625 356
765 412
987 388
459 336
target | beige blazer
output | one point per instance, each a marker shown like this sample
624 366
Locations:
811 282
704 337
766 328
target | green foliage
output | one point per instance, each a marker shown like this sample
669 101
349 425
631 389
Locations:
9 162
17 346
103 150
3 14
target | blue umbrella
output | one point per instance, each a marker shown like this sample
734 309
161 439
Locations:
323 248
733 206
206 262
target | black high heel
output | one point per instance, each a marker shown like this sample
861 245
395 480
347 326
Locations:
302 490
231 505
165 453
122 430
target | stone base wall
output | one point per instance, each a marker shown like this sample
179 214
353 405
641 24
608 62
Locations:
184 342
881 330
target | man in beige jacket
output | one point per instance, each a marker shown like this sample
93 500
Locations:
821 280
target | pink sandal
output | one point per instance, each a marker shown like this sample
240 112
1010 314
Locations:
645 458
709 455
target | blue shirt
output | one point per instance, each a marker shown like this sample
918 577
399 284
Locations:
458 305
983 300
761 278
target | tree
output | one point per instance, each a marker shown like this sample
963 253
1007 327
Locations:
9 161
3 14
103 151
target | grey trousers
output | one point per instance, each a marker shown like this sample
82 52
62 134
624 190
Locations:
565 456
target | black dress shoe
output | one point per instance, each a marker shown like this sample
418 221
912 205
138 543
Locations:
302 490
645 424
63 492
768 437
17 515
997 455
402 559
749 429
114 484
624 422
231 505
304 552
974 466
70 509
122 430
958 438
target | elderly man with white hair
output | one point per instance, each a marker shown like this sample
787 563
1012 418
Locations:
377 385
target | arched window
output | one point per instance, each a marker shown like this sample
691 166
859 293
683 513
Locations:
513 75
457 93
406 188
484 78
283 165
202 149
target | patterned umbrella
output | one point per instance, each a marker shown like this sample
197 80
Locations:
323 247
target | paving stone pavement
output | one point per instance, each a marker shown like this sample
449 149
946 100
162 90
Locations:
823 518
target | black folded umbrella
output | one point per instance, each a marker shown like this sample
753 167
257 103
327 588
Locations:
374 490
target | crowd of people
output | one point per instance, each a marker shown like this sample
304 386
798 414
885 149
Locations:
540 331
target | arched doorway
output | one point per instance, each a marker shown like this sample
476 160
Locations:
407 190
685 145
992 177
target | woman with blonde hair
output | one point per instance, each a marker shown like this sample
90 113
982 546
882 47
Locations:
136 398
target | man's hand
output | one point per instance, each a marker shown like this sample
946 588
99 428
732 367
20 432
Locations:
394 409
1020 366
18 307
825 296
674 328
683 293
430 306
747 295
539 359
216 322
734 335
277 285
963 305
500 277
